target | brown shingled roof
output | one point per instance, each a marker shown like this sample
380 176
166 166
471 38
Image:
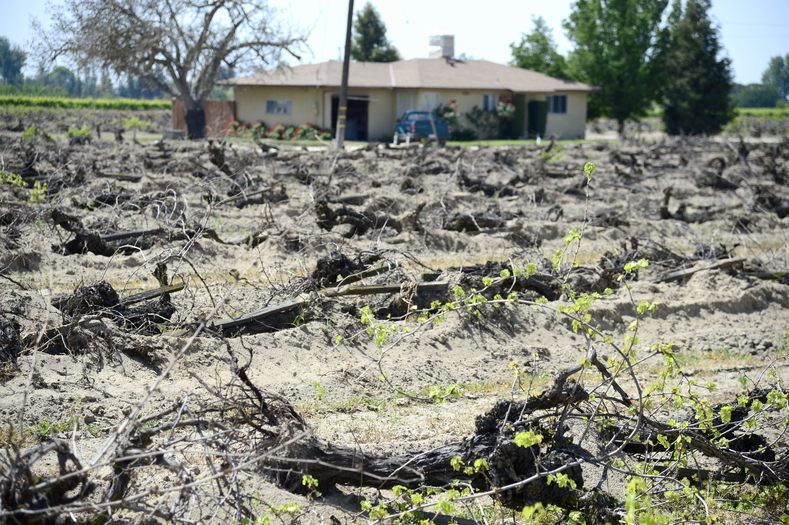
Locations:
420 73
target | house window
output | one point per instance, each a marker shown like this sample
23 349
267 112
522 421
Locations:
489 102
279 107
557 103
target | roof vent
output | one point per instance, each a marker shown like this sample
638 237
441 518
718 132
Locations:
445 44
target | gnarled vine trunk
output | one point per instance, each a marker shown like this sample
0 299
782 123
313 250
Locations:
195 121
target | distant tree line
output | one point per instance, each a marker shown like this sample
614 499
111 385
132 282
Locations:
64 82
772 92
643 54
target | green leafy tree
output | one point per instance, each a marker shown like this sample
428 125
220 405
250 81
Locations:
619 47
60 78
777 75
537 51
698 84
369 38
755 96
12 60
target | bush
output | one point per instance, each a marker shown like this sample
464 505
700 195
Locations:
505 109
135 124
484 123
257 130
463 134
279 131
79 135
275 132
33 131
448 112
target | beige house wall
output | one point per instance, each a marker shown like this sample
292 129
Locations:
381 114
466 100
570 125
305 104
380 110
313 105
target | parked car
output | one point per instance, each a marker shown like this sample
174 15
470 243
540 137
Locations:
416 125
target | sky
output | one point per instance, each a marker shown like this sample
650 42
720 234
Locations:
752 31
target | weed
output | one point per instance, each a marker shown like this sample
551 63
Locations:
38 193
320 390
135 124
79 135
351 404
298 320
553 155
33 132
13 179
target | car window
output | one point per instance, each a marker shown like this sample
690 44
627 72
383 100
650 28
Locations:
417 117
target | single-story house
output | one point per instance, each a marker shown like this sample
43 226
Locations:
380 92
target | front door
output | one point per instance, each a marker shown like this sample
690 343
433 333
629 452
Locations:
355 120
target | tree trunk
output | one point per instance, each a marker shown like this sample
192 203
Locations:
195 121
620 126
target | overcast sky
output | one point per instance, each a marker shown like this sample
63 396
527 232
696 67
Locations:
752 30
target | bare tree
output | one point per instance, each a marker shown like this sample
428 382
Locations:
178 46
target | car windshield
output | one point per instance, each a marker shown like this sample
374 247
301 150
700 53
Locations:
417 117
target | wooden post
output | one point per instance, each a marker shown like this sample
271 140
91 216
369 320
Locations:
342 109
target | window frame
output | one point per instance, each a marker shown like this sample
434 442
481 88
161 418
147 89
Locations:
557 104
494 100
281 107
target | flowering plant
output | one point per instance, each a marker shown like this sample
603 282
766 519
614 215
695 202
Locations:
235 129
448 112
275 132
258 129
505 109
279 131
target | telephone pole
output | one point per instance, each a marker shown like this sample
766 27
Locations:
342 109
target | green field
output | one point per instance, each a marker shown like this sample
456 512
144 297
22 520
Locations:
83 103
767 113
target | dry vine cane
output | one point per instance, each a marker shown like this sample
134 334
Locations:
532 454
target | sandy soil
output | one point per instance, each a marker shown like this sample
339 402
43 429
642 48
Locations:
513 206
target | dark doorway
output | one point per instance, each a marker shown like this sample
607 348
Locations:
538 118
356 120
519 121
